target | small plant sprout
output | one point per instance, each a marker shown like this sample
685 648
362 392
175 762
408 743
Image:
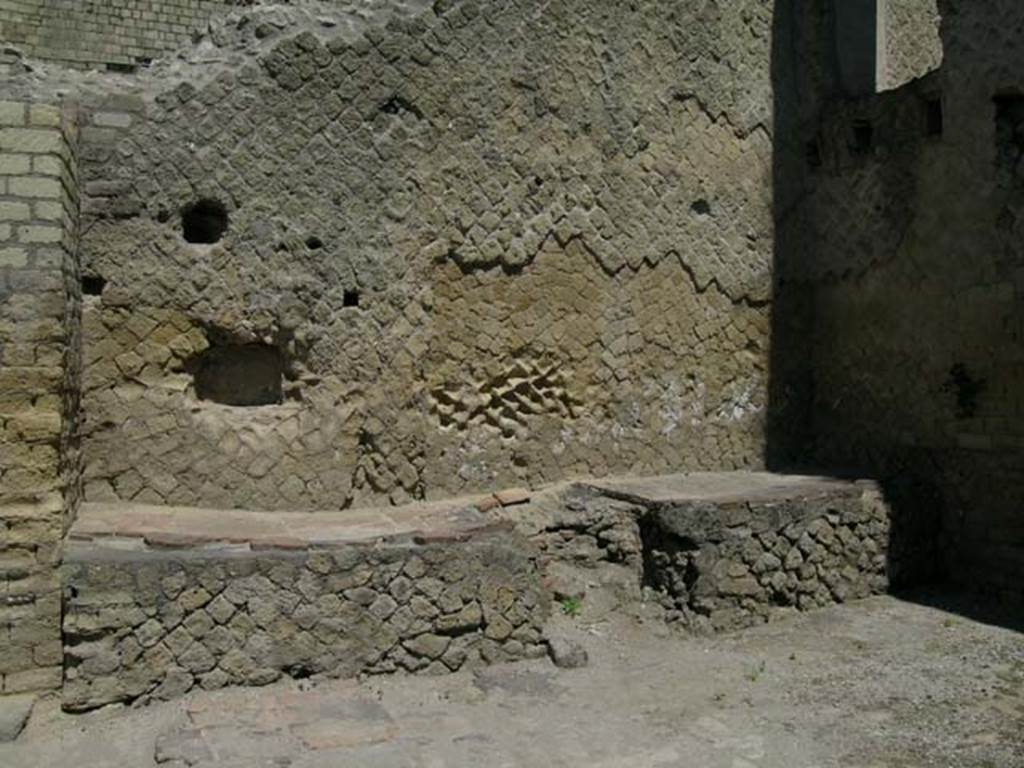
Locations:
572 606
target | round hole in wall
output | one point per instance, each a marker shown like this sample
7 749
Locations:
314 243
204 221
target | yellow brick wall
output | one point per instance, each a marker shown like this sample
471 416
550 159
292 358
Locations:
38 384
102 32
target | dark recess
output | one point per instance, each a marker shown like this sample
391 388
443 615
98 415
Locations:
813 152
863 137
701 207
93 285
350 299
240 374
1009 132
933 117
668 563
204 221
966 389
398 105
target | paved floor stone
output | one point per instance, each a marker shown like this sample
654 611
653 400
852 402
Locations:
881 683
14 712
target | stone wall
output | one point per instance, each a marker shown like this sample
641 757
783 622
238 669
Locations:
907 242
118 34
467 251
912 44
724 566
153 625
718 551
39 383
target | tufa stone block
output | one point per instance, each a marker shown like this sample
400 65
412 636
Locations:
31 141
12 113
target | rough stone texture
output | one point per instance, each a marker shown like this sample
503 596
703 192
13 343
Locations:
586 529
912 45
124 35
908 252
490 254
720 567
565 648
153 624
39 383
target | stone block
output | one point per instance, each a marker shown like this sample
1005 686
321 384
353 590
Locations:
40 679
49 211
31 141
14 211
12 113
34 187
566 653
15 165
40 234
13 257
42 508
44 115
37 425
48 165
112 119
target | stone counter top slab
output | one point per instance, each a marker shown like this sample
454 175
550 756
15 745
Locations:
725 487
183 527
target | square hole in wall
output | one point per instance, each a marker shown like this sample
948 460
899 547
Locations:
93 285
863 136
812 151
240 374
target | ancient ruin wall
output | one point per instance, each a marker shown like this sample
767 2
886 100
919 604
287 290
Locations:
39 382
912 46
910 246
502 245
119 34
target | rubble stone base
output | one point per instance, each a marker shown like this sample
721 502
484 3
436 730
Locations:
148 624
161 600
722 551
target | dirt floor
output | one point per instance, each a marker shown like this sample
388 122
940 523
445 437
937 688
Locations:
881 683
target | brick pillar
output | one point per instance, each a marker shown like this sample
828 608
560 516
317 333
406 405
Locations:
40 357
